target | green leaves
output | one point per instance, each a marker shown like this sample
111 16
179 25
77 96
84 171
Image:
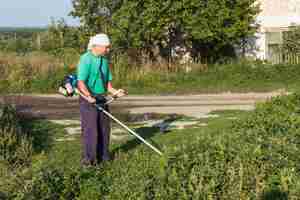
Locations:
257 158
15 145
291 40
167 24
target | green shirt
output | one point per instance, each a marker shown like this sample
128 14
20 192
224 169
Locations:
89 72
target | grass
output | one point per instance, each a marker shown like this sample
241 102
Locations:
66 154
42 73
52 158
235 77
253 157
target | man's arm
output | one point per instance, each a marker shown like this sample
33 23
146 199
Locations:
114 92
83 89
110 88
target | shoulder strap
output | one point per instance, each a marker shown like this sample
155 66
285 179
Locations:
102 74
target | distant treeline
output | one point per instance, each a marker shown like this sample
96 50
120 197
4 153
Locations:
11 34
22 29
52 39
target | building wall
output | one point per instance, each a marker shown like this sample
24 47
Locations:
279 13
274 7
275 17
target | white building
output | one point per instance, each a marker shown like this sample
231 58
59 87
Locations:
275 18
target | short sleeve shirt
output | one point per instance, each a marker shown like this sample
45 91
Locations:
88 70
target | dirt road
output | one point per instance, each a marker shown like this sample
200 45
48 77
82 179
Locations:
59 107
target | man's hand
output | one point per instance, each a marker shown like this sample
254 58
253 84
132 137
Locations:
114 92
119 93
91 99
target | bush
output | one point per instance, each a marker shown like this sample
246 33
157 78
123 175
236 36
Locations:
256 158
15 144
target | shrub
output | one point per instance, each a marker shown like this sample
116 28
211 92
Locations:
15 144
256 158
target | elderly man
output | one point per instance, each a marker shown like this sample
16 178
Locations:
94 81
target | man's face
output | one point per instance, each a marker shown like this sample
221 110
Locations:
101 50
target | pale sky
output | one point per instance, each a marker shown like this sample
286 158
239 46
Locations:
16 13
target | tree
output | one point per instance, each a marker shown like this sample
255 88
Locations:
291 40
155 27
213 26
60 36
291 45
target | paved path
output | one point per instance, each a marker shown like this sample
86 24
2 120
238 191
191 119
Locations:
59 107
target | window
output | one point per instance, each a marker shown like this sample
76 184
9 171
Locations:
273 43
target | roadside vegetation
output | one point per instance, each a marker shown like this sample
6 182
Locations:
255 156
42 73
148 46
41 69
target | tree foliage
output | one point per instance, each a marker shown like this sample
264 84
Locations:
59 37
207 27
291 40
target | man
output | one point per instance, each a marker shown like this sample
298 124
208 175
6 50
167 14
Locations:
94 81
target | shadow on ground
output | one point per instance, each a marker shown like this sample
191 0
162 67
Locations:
147 133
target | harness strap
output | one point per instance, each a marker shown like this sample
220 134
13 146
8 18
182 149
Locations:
102 74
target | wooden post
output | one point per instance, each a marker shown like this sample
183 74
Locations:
38 41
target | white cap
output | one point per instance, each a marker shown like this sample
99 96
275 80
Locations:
99 39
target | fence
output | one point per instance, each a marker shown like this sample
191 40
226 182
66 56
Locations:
277 56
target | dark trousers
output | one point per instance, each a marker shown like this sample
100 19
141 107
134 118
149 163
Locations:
95 126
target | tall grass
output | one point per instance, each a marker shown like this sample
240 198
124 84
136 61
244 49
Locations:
42 73
236 76
34 72
15 143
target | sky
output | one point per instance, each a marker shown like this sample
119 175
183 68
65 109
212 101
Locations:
34 13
